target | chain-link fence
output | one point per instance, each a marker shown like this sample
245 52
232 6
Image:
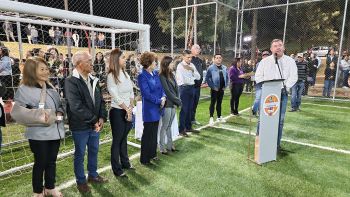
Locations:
56 39
310 29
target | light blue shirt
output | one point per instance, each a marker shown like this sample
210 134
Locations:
5 66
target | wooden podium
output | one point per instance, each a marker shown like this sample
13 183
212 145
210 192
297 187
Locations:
266 139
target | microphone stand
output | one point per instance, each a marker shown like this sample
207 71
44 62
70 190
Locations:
279 69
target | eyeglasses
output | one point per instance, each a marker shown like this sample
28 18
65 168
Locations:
265 54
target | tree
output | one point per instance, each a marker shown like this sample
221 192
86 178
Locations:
205 23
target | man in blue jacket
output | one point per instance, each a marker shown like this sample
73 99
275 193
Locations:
217 79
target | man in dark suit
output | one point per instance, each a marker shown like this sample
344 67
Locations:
86 114
200 66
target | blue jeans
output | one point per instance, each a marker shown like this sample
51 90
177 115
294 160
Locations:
57 40
328 85
297 91
34 40
83 138
284 101
186 96
346 78
256 106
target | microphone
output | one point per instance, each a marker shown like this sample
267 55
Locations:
276 58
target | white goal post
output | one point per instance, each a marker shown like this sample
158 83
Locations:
25 8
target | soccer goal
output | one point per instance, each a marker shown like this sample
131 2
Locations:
57 34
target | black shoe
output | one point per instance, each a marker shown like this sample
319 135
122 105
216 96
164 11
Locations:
129 168
184 134
83 188
254 113
146 163
280 149
164 152
98 179
193 131
174 150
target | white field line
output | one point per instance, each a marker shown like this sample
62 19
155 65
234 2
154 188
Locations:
290 141
321 105
73 181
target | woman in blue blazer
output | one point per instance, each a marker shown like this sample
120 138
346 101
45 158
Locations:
153 102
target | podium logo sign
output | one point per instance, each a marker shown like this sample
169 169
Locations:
271 104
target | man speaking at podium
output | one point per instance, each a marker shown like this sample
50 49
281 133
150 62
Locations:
278 66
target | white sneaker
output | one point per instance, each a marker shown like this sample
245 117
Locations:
221 119
195 122
345 87
211 121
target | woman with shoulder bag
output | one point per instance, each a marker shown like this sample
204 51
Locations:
120 87
44 141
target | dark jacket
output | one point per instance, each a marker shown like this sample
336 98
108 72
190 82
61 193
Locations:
200 66
330 74
171 90
334 60
81 111
312 65
2 118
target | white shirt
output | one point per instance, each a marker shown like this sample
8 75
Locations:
345 65
184 76
268 70
121 92
51 32
75 36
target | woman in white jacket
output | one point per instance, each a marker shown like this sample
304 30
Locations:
120 87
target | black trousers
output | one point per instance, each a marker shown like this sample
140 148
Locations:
45 155
236 92
149 141
196 96
7 82
120 130
216 96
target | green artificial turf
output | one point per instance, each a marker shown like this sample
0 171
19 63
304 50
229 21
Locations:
214 163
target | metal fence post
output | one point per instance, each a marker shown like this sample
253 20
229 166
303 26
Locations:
340 48
215 27
285 23
92 32
237 29
172 33
186 24
19 38
241 30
